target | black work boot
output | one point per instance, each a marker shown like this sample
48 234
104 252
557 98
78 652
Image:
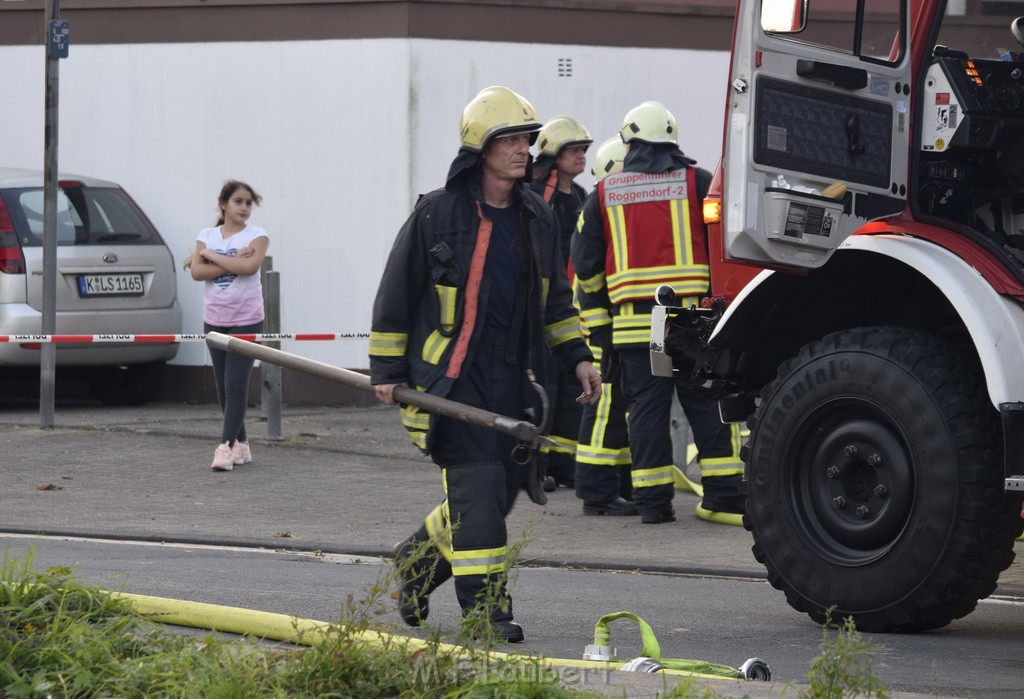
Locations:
722 494
508 631
658 515
421 568
562 469
500 627
487 607
619 507
722 502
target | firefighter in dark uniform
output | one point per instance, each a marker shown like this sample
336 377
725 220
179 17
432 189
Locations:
603 465
644 228
471 297
561 157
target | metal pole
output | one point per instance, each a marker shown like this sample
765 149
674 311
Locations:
267 266
519 429
48 352
271 373
526 433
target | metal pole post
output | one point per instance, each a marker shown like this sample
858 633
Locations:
48 352
268 265
270 374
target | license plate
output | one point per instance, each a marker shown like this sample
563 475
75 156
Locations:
110 285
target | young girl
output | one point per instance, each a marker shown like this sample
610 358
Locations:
228 258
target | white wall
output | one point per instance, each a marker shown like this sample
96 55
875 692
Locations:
339 137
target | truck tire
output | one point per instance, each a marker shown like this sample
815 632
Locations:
874 482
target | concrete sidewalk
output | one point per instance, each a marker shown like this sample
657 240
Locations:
342 480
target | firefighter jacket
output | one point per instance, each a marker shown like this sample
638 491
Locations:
425 327
640 229
566 206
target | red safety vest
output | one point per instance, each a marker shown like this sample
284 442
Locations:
655 234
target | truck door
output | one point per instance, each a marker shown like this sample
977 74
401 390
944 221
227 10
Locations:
817 135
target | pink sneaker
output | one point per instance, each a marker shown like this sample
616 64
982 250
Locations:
222 460
240 454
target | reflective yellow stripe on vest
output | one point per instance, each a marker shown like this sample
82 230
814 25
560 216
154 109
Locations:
634 284
617 224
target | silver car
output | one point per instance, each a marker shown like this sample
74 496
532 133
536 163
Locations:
115 275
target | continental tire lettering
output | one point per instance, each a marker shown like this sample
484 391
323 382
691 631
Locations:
761 477
818 377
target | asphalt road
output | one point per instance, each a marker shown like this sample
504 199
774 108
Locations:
718 619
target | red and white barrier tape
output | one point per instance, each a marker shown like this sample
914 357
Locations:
179 338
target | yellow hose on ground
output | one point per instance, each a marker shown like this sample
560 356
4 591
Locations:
309 632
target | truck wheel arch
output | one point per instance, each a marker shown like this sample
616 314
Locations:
766 307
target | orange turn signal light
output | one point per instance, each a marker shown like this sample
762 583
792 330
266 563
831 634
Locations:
712 210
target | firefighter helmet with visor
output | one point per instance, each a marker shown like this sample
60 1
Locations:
562 132
649 122
609 158
496 111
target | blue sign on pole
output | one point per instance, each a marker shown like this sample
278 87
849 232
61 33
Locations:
57 46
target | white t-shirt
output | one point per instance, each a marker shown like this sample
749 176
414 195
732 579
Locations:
232 299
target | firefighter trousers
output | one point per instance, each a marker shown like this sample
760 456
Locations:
650 438
481 480
602 455
562 389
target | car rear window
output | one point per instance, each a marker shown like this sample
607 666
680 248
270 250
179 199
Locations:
85 216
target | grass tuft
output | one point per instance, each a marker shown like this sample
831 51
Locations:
845 667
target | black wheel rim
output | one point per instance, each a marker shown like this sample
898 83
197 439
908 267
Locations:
850 481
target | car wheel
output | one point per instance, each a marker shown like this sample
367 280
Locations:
874 482
133 384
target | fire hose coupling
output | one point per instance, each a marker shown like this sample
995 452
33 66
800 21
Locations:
650 660
600 653
756 669
601 648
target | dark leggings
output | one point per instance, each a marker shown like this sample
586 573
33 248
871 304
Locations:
231 371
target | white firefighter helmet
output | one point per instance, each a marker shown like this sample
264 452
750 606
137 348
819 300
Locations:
609 157
562 132
649 122
496 111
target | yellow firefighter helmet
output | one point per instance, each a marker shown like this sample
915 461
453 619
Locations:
649 122
562 132
496 111
609 157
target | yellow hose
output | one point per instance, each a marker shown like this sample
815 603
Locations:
308 632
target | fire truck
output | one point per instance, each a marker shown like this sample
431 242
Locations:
866 311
